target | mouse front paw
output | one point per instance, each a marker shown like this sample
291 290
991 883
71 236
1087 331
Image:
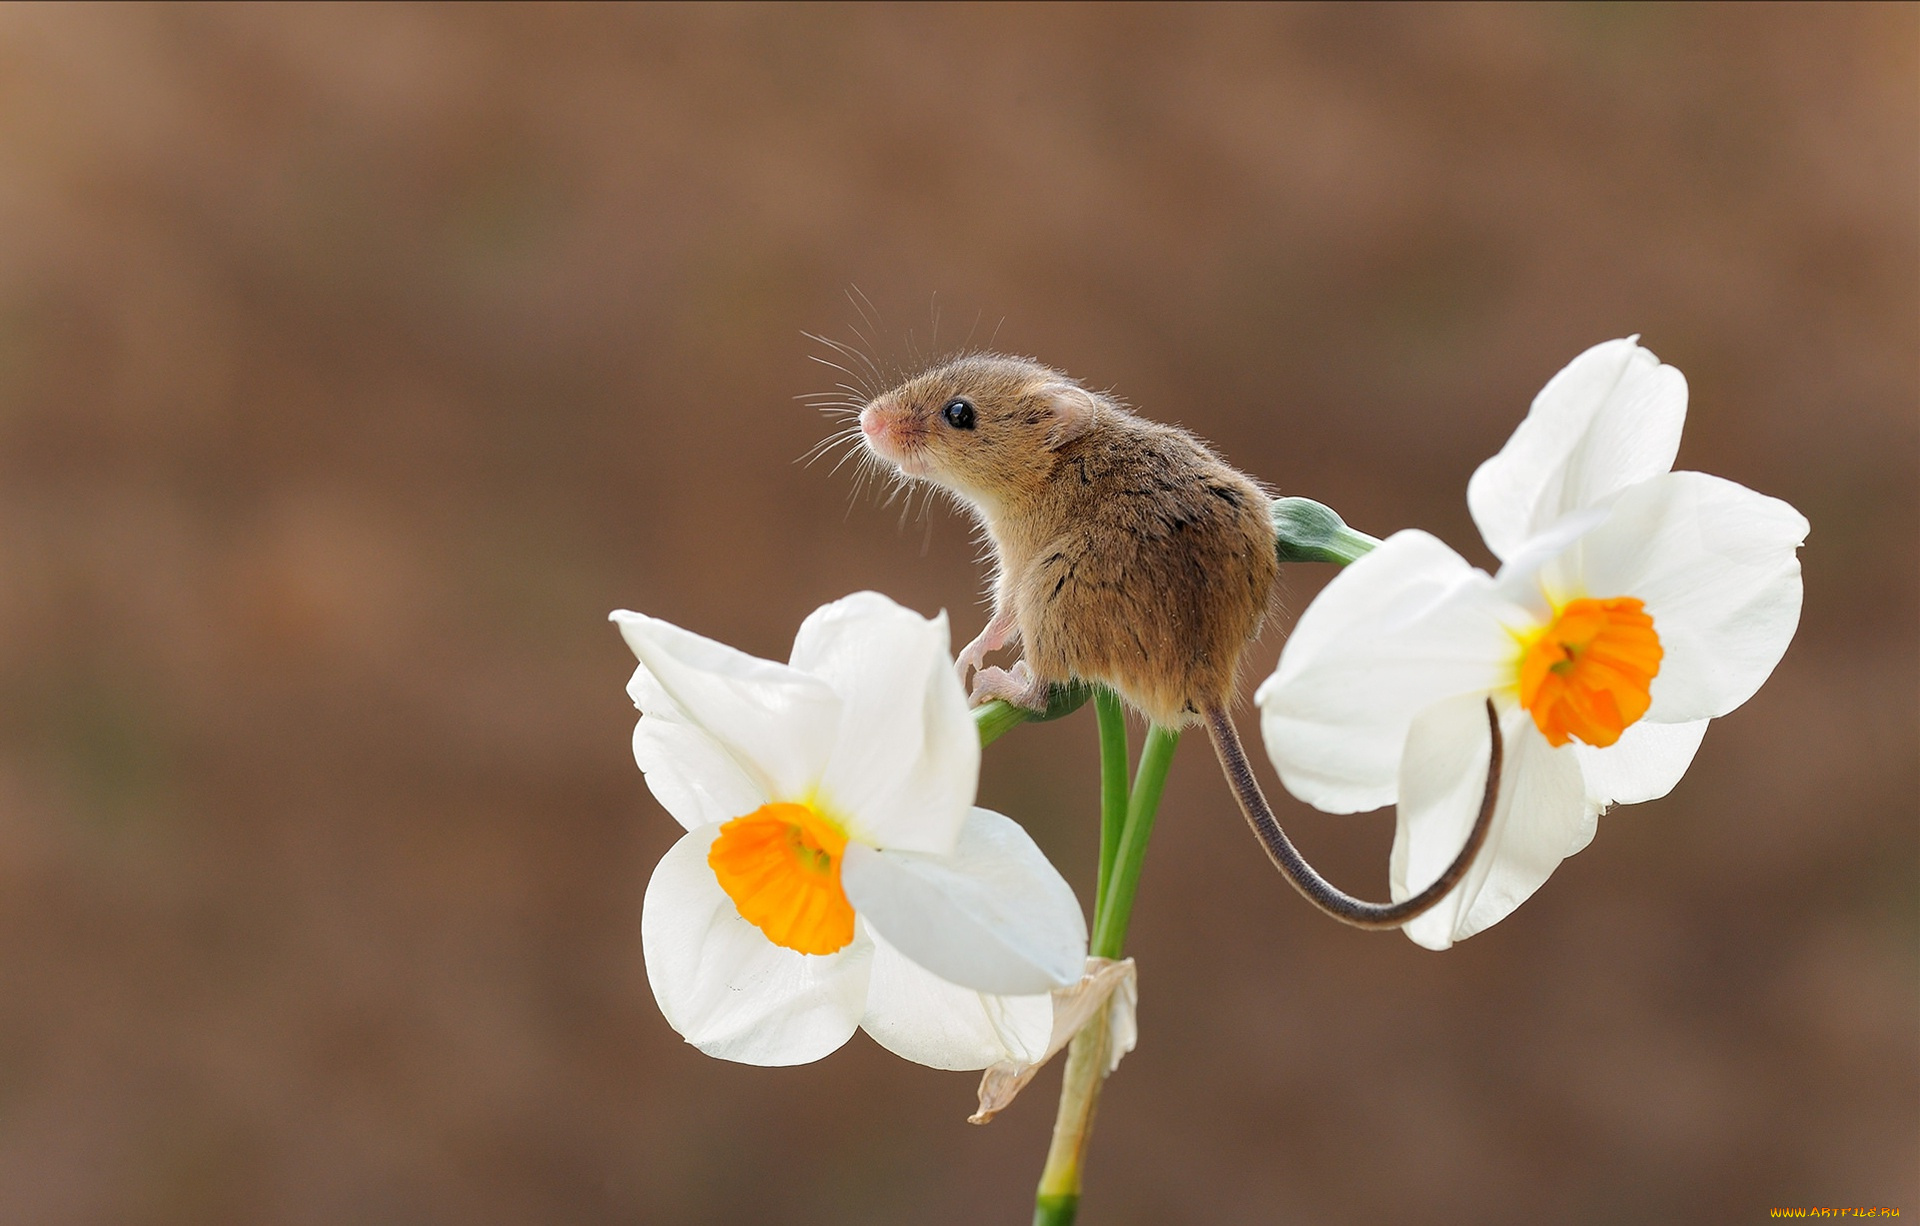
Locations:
1000 632
1016 685
969 660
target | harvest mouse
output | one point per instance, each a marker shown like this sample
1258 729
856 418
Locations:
1126 554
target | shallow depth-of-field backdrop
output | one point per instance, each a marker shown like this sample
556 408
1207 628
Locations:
355 362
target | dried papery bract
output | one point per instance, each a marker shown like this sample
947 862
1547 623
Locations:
1108 992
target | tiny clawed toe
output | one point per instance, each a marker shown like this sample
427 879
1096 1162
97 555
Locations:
1015 685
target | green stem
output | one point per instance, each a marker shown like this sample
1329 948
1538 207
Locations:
1113 788
996 717
1110 926
1058 1198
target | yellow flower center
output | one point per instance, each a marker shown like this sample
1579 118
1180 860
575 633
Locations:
781 866
1590 672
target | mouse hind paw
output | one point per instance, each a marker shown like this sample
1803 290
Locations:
1016 685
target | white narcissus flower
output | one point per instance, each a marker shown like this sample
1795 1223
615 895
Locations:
835 873
1633 604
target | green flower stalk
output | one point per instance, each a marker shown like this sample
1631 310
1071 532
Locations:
1090 1058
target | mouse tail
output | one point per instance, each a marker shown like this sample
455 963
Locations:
1317 889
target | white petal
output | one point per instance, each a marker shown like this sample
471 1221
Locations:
777 723
906 764
993 915
1643 764
915 1014
1610 419
1443 775
1716 565
726 988
1531 578
1542 817
692 777
1405 626
649 696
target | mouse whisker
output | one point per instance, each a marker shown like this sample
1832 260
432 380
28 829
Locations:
814 357
836 439
863 338
875 478
852 355
855 453
864 384
834 408
869 315
966 345
864 305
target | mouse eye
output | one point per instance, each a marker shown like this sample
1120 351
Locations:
959 414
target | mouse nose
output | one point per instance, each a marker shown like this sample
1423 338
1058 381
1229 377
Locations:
871 423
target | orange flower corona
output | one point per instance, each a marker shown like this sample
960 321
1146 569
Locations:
1589 674
781 866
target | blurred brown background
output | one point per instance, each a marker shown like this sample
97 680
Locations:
355 362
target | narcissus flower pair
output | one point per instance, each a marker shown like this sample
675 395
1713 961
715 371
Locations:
835 874
1633 604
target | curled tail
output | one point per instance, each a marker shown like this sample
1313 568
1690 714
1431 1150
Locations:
1317 889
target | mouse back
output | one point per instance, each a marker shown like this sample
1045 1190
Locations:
1151 574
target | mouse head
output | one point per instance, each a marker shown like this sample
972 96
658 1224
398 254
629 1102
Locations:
985 427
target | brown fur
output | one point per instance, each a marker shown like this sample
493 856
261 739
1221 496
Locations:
1127 552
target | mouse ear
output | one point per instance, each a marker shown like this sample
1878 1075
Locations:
1073 407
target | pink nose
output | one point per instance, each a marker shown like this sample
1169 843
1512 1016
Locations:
870 423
